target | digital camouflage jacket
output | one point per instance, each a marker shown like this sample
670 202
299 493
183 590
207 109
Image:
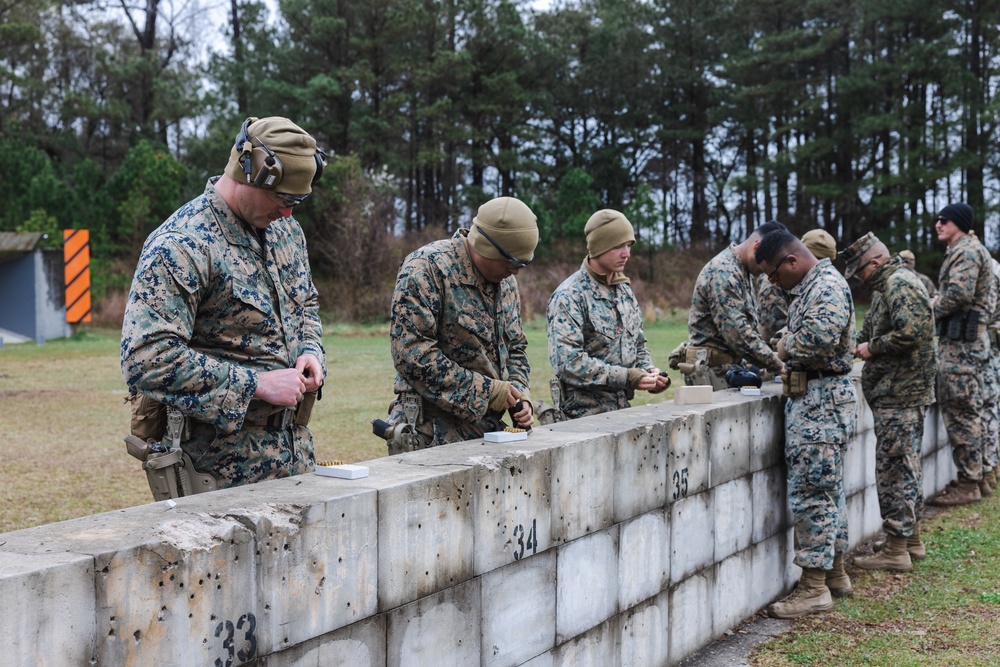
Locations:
821 333
452 334
899 330
595 336
724 311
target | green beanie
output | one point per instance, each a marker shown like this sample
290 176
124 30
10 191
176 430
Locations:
292 145
607 229
511 225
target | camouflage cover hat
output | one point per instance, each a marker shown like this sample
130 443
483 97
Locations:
290 143
607 229
853 254
820 244
511 225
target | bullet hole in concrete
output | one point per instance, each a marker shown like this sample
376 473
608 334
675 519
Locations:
138 635
111 633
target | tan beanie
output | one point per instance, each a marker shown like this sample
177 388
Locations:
820 244
511 225
292 145
607 229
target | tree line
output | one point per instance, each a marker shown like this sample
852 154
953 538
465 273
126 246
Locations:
700 119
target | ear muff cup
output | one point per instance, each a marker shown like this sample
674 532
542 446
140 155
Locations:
261 166
321 158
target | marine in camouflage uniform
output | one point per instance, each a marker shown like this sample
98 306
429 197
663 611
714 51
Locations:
965 286
723 316
772 301
223 315
897 344
596 343
456 335
991 393
819 417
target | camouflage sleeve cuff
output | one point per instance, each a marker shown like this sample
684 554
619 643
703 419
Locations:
242 383
776 364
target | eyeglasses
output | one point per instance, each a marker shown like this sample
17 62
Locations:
773 275
871 262
513 262
940 220
289 200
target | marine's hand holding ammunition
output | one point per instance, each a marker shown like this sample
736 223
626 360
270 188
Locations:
521 415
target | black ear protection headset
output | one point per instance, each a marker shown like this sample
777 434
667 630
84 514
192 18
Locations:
262 167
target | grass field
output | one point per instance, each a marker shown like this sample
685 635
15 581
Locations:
946 613
63 417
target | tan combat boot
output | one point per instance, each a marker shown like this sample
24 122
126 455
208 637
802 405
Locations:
915 545
894 557
811 596
985 489
964 492
837 580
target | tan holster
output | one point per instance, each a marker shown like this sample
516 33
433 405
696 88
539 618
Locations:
305 409
994 335
714 356
794 384
169 471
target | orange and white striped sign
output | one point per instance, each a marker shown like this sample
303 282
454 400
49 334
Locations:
76 258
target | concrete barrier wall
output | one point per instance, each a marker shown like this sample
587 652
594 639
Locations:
632 538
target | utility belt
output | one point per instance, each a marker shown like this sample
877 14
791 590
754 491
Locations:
276 416
715 356
965 325
795 383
